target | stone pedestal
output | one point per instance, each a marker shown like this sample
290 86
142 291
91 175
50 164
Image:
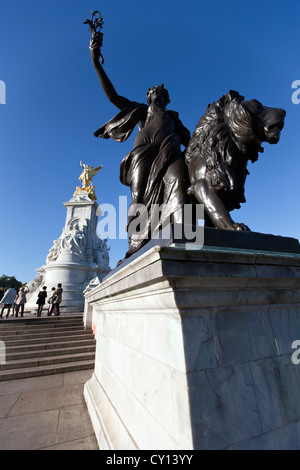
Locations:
194 351
76 258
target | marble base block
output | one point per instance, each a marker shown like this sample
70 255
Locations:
194 351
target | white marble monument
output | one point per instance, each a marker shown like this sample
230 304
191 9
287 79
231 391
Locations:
194 347
78 257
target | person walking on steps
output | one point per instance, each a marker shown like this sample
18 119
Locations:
57 298
41 300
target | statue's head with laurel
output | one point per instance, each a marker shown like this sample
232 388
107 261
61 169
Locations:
158 94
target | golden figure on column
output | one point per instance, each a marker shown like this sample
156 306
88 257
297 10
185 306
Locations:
86 177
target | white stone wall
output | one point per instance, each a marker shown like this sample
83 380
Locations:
194 352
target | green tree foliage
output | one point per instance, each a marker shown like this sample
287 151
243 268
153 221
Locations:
10 281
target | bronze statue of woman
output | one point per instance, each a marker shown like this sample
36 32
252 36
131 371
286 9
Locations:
155 169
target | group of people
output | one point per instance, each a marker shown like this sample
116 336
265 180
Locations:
17 300
14 299
54 301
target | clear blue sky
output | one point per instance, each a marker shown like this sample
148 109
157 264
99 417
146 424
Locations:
198 49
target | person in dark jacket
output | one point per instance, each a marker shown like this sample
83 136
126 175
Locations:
41 300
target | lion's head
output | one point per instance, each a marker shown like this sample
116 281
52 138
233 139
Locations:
228 135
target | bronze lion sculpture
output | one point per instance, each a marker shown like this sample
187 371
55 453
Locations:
227 136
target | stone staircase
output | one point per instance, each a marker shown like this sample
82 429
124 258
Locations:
47 345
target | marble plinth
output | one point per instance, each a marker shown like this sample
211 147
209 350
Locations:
194 351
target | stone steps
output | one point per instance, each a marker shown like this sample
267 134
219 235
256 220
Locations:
28 346
43 346
45 335
29 354
9 330
45 370
36 322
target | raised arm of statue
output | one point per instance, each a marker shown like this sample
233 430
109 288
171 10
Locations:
108 88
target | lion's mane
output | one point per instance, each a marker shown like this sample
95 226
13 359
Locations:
224 141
